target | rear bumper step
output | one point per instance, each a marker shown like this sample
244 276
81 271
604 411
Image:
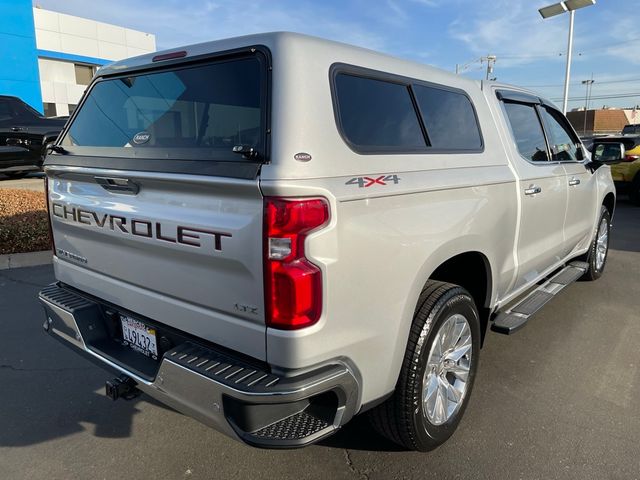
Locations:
234 397
516 317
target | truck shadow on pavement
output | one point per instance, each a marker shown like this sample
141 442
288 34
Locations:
358 434
48 392
55 406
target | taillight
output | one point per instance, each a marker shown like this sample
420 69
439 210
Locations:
293 285
631 158
46 200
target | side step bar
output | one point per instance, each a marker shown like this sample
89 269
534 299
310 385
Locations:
517 316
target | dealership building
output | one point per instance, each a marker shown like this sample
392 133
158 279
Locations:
47 58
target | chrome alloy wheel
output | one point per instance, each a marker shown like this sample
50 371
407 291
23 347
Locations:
602 244
445 379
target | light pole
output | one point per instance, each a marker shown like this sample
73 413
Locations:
589 84
556 9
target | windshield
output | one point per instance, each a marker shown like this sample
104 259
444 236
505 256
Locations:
629 142
631 129
26 108
198 112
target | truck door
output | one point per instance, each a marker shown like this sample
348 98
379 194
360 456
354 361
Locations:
542 189
581 209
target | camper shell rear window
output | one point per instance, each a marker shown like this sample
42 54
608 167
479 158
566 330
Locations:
192 112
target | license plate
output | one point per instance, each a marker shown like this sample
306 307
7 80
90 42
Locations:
139 336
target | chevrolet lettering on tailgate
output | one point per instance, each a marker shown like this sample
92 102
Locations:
134 226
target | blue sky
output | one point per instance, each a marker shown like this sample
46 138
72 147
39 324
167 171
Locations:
530 51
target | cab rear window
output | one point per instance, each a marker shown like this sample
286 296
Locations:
196 112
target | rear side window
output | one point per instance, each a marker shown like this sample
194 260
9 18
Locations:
449 119
527 131
196 113
377 115
378 112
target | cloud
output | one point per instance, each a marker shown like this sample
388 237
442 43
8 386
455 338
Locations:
625 38
399 14
429 3
175 22
513 31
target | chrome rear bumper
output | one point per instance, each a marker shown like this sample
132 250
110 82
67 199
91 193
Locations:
237 398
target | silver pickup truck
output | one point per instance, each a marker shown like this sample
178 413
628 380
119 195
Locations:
275 233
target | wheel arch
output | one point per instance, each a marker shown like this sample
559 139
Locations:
472 271
461 264
609 201
446 263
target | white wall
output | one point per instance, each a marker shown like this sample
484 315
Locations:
633 116
63 33
80 36
58 84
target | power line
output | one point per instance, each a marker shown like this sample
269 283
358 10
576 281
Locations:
577 82
560 54
604 47
600 97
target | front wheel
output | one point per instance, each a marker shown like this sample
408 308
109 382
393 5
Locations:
599 250
438 370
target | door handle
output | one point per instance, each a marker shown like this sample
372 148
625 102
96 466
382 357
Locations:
532 190
120 185
573 182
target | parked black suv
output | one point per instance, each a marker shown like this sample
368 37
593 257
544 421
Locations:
24 136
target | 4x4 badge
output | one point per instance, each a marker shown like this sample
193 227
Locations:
364 182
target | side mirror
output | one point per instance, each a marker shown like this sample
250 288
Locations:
607 153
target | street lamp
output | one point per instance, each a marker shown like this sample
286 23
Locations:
589 84
556 9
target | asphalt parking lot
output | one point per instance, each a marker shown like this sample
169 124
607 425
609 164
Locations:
557 400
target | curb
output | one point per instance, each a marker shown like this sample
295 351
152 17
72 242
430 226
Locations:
31 259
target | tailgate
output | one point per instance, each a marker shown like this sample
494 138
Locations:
185 251
154 196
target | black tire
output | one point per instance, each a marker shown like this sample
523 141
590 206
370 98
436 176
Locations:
634 190
16 175
595 269
402 418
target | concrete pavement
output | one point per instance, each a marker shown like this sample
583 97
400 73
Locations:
557 400
33 181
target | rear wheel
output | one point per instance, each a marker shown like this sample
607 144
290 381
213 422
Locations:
438 370
597 255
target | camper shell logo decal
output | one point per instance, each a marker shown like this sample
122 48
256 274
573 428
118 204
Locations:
141 137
